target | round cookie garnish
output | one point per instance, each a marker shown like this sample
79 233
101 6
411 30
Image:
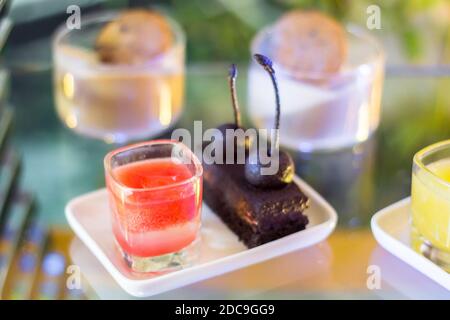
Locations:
309 41
134 37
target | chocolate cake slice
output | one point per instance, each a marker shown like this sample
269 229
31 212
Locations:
256 215
257 207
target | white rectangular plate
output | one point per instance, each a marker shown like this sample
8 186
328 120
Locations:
221 251
392 230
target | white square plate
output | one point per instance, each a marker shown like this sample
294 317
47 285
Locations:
392 230
221 251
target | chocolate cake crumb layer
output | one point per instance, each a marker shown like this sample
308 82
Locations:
256 215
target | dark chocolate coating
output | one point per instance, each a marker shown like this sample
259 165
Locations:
223 129
284 175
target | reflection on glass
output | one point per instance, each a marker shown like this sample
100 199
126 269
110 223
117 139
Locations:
345 178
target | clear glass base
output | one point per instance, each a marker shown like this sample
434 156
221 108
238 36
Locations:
436 255
164 263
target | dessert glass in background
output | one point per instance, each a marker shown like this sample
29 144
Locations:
155 195
321 111
430 203
110 101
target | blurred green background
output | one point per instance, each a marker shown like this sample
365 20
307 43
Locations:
413 31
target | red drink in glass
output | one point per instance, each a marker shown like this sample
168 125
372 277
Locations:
155 192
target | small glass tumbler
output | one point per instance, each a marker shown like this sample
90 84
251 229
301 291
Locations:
320 111
430 203
116 102
155 196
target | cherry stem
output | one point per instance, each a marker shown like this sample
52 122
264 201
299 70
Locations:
266 63
232 75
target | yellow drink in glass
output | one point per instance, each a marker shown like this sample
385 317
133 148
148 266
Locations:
430 203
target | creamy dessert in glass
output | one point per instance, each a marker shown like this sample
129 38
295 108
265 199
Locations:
330 77
121 75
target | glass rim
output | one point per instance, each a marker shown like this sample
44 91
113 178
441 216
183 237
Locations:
418 160
350 28
108 170
106 16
